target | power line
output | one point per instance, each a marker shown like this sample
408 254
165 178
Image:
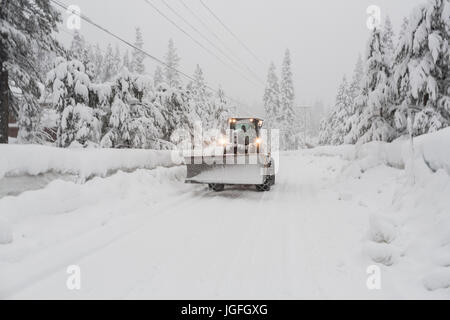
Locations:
195 40
212 43
196 30
88 20
231 32
219 40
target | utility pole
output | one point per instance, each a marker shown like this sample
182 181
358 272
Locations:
4 86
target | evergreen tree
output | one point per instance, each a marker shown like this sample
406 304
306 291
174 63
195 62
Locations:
88 59
403 29
334 128
126 61
325 131
138 56
354 91
98 60
70 87
117 60
130 120
272 97
388 36
221 110
421 78
158 77
172 61
22 27
286 116
357 78
109 68
372 116
342 112
199 98
78 47
111 64
176 111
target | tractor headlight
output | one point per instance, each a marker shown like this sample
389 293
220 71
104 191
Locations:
223 141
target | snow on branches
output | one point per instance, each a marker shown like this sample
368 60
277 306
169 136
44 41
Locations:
401 81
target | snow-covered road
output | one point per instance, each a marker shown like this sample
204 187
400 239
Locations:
148 235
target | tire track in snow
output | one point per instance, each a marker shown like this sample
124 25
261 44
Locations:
38 275
247 246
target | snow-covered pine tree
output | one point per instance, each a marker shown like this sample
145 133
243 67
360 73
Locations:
22 27
117 60
88 59
286 116
158 77
403 29
134 121
175 108
357 77
69 84
78 46
221 110
126 63
110 67
97 61
271 98
422 69
111 63
388 36
148 115
341 114
354 91
334 128
138 56
200 98
325 131
119 134
172 77
372 116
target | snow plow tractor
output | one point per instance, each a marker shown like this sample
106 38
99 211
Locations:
241 156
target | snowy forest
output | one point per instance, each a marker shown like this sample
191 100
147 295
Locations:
86 96
401 86
83 96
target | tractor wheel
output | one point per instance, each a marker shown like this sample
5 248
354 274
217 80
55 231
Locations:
217 187
265 186
272 180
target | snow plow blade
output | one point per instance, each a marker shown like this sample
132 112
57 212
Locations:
228 170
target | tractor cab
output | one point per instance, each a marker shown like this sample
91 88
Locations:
244 135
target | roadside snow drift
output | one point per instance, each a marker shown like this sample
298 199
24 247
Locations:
431 149
18 160
410 227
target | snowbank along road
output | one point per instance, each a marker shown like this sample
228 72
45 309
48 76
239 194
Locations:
146 234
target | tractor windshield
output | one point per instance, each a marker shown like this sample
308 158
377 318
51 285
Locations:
245 129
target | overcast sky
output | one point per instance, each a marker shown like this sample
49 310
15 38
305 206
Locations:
324 37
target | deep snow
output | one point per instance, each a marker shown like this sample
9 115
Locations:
145 234
31 167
